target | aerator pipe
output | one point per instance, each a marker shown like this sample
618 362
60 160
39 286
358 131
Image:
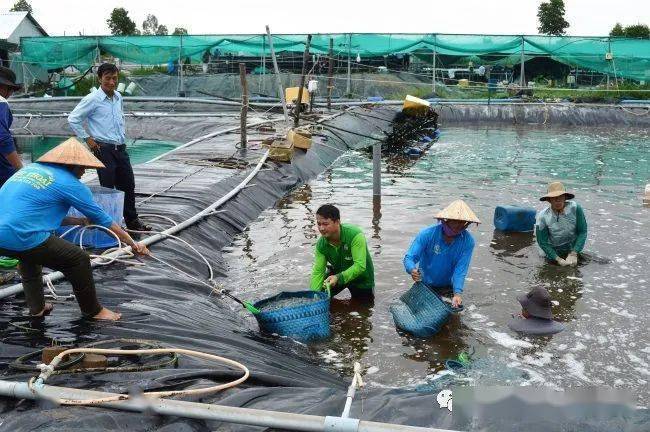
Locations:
194 410
55 276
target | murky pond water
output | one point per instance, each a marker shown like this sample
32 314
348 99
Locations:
604 302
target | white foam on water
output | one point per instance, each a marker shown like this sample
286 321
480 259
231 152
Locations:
637 360
575 367
579 346
622 312
508 341
372 370
541 359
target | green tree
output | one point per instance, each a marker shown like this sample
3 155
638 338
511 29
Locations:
120 23
22 5
637 31
150 26
617 31
179 31
551 18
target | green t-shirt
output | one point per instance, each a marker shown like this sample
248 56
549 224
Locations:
350 260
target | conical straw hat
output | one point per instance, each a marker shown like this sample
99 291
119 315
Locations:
71 152
458 210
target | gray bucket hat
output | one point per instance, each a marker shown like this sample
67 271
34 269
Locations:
8 78
537 302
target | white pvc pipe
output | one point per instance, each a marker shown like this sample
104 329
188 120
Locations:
55 276
194 410
210 135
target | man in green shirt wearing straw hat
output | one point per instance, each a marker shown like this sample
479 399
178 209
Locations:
561 228
344 248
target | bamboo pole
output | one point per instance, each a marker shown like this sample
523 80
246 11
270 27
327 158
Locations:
522 72
277 76
330 76
348 87
244 102
298 104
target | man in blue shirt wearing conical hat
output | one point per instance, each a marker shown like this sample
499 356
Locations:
440 254
33 203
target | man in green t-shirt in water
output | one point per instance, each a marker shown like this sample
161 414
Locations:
342 258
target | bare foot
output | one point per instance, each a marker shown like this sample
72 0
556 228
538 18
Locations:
107 315
45 312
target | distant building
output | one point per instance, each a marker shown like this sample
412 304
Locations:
13 26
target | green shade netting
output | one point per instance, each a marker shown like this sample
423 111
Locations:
631 57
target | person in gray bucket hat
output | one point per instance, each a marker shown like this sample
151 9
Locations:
10 161
536 317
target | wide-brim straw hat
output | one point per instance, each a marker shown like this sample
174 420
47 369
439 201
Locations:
71 152
537 302
458 210
556 189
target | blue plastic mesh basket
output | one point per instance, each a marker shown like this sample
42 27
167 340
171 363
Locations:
306 321
421 311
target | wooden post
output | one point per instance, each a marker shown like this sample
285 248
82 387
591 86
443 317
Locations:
330 76
305 59
434 64
522 72
348 87
277 76
180 67
244 102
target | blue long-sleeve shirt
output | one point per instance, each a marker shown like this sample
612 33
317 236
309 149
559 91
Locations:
7 145
103 115
441 264
34 201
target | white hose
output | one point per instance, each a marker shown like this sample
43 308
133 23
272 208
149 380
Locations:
46 371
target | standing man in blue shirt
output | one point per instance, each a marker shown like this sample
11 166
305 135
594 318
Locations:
10 161
444 251
102 109
33 203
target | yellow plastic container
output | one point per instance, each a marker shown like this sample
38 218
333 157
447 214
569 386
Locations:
291 95
463 82
412 103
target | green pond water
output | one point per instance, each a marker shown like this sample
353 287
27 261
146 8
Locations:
140 151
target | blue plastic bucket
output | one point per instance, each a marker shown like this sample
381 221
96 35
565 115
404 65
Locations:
306 321
513 218
112 202
421 312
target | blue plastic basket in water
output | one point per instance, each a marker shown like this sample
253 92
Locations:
421 311
305 322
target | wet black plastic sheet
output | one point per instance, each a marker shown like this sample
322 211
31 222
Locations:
158 304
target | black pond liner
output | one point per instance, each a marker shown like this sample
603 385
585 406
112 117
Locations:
160 305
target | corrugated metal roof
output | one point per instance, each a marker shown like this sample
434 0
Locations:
10 20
